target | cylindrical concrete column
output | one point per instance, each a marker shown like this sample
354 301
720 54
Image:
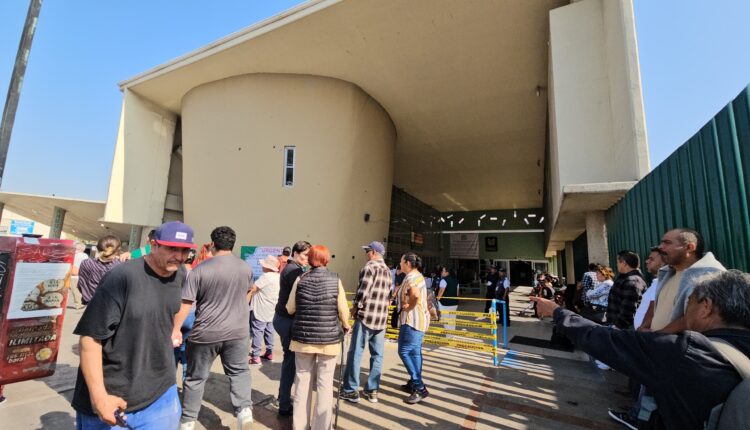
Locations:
596 237
56 226
237 129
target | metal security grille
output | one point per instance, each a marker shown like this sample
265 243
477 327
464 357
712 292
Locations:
703 185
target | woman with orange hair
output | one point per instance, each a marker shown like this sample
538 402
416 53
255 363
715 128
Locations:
321 317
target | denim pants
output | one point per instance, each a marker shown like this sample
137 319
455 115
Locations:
361 337
283 326
262 332
164 413
201 356
410 351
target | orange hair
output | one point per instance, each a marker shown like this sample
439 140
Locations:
319 256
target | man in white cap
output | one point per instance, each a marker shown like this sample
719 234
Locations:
263 298
219 288
127 323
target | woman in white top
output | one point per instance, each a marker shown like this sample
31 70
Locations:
598 297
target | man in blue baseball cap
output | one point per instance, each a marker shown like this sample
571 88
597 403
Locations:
127 373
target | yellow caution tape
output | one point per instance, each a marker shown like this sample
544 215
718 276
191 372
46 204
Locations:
471 334
451 343
467 314
465 323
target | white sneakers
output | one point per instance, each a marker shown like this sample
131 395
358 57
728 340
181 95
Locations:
601 365
245 419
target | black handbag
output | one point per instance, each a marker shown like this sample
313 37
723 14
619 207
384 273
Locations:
394 317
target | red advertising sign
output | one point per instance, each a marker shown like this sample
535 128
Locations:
34 283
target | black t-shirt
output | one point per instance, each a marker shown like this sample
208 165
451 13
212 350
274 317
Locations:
291 272
132 314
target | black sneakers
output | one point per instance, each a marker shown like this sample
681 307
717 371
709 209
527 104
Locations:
624 419
352 397
417 396
408 387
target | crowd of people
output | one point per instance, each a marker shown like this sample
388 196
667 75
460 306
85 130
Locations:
156 308
685 339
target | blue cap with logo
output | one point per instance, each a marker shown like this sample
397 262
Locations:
174 234
375 246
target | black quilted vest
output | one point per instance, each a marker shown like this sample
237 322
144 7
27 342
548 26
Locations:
316 320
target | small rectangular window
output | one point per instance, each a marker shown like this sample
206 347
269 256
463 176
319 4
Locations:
289 159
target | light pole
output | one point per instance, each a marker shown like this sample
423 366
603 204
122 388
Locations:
16 81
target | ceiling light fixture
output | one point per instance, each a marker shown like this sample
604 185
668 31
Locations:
541 220
482 217
449 216
515 214
504 222
493 218
460 221
531 215
526 221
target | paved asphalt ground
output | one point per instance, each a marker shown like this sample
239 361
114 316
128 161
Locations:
533 388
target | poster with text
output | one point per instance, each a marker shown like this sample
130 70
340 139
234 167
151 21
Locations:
253 254
38 290
34 283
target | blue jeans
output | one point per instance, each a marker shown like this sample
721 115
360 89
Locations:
410 351
262 332
164 413
362 336
283 326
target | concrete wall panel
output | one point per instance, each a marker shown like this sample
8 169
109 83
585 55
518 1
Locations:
234 132
138 184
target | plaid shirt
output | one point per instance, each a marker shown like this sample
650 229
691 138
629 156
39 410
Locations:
623 299
373 294
588 283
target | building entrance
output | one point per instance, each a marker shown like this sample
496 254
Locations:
521 273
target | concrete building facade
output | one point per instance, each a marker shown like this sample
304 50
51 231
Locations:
299 127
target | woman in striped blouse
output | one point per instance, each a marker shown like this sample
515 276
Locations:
414 320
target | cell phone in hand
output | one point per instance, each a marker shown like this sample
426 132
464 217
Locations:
121 419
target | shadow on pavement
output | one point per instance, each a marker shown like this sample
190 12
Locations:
57 420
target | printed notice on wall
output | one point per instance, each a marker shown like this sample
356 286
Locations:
465 245
38 290
253 254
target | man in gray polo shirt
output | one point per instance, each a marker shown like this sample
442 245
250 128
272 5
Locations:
219 288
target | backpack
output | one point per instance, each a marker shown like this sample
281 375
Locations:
733 413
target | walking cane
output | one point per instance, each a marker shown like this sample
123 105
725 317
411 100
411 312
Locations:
341 383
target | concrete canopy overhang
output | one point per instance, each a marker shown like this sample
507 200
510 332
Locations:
463 82
577 201
82 218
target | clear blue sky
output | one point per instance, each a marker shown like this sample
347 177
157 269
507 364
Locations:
693 54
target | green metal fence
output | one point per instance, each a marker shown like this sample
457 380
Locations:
703 185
